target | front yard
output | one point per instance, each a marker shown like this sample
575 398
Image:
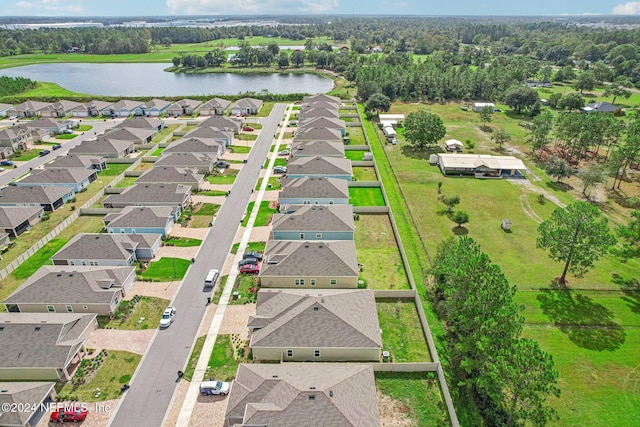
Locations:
247 288
228 352
264 213
135 314
224 178
166 270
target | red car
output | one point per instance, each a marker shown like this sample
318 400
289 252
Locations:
248 129
250 268
75 415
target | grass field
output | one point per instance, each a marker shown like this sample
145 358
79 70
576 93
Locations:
166 269
366 196
224 361
402 334
378 251
227 177
364 173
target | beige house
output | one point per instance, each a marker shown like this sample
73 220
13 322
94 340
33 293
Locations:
310 264
43 346
300 325
28 396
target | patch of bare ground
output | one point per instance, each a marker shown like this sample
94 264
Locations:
392 412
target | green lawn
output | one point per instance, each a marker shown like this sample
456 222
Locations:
356 136
127 181
379 254
157 152
362 173
402 334
224 360
40 258
165 132
366 196
193 358
264 214
182 242
355 154
212 193
251 246
418 397
274 182
116 370
24 156
84 128
114 169
246 137
166 269
247 287
65 136
278 162
239 149
226 177
146 314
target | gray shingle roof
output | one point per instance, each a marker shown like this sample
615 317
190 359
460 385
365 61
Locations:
316 319
210 132
102 146
73 161
57 176
61 284
189 103
140 217
104 246
325 188
221 122
304 394
127 104
156 103
309 133
41 340
130 134
45 123
317 122
248 103
141 123
170 175
22 395
216 103
317 148
171 194
318 112
35 194
321 98
310 258
12 216
319 166
186 159
315 218
194 145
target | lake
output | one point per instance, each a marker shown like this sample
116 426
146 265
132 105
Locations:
141 79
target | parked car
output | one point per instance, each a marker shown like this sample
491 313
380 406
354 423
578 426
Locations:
252 254
13 117
394 141
222 164
1 169
44 153
248 129
464 107
280 169
250 269
213 387
6 163
56 146
284 153
168 317
247 261
73 414
67 131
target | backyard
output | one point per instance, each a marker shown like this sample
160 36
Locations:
366 196
364 173
355 154
402 334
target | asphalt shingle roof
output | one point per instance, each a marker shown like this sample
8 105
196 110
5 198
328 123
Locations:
73 161
22 395
186 159
58 176
317 148
315 218
35 194
308 187
170 175
104 246
140 217
319 166
286 258
12 216
172 194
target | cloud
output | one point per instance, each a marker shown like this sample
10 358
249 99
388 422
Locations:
24 5
630 8
264 7
52 7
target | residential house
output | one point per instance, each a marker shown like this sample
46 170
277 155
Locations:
481 165
312 112
319 167
600 107
310 264
4 109
303 394
15 220
317 134
149 123
300 325
172 175
137 136
246 106
175 195
322 122
315 191
64 289
313 222
76 178
126 108
142 220
310 99
215 107
317 148
222 123
189 144
224 136
28 108
538 83
50 198
50 125
104 147
29 396
16 138
43 346
202 162
184 107
98 163
61 108
155 107
95 249
327 105
92 109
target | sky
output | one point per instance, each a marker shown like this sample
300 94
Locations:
341 7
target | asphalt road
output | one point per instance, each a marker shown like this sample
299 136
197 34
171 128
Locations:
153 385
11 173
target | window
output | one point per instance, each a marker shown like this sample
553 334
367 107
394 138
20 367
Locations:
51 309
317 202
69 309
85 307
333 281
301 236
299 282
313 282
289 353
316 353
318 235
306 202
72 263
330 202
84 262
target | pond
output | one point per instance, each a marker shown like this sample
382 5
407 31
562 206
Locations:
143 79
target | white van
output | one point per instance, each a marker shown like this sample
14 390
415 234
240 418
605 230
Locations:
212 276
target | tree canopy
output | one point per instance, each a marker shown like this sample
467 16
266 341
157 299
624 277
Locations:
521 98
423 129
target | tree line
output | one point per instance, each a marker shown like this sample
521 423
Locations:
13 85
